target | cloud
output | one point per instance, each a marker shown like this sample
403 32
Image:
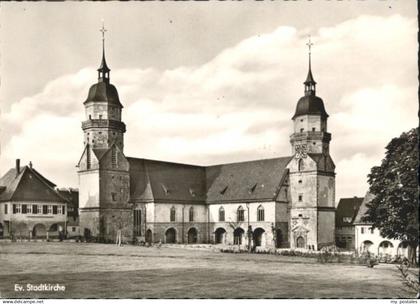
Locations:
238 105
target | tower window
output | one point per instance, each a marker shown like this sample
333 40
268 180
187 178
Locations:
301 120
100 116
90 117
88 164
114 196
300 197
300 181
301 165
301 130
313 129
314 143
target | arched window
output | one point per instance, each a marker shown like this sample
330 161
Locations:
240 214
172 214
260 213
301 165
191 214
221 214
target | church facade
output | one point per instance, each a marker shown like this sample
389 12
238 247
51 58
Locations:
280 202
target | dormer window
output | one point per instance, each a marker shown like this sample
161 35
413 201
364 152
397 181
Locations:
165 190
252 189
347 219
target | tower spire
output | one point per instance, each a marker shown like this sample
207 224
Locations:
309 82
103 70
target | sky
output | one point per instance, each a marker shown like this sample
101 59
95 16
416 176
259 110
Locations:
207 83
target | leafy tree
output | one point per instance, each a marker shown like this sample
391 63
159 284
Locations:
394 185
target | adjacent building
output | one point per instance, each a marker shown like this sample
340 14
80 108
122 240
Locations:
369 239
345 215
30 207
284 202
72 197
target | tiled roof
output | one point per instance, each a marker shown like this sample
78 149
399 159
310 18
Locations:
165 181
251 180
363 208
152 180
347 207
23 186
71 195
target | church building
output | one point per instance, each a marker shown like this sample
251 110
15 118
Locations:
283 202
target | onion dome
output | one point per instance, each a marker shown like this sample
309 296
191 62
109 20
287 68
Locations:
310 104
103 90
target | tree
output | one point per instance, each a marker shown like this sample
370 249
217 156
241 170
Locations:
394 185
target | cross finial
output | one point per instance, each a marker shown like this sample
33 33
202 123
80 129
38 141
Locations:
309 44
103 30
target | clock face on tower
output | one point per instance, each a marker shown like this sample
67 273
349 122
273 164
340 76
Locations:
301 151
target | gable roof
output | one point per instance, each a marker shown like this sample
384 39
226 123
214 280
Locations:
363 208
347 207
246 181
166 181
28 184
152 180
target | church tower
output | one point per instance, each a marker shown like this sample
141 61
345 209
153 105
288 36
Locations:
103 168
311 171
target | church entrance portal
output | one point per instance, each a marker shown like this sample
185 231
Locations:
192 236
170 236
300 242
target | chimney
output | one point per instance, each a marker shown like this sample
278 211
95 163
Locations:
30 164
17 166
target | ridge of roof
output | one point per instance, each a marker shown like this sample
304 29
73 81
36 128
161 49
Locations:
11 181
208 166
